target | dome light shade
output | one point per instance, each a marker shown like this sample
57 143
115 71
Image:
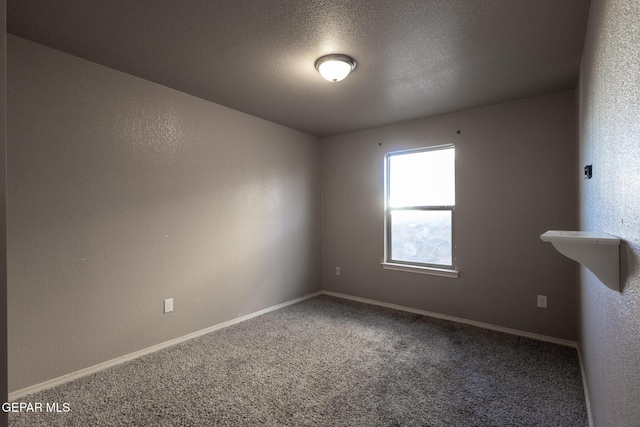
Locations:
335 67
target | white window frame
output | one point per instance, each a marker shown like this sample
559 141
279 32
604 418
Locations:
413 267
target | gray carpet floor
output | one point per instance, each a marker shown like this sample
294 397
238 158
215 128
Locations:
331 362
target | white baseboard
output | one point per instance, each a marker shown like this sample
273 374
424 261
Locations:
457 319
127 357
118 360
584 386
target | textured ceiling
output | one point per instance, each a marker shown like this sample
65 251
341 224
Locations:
415 58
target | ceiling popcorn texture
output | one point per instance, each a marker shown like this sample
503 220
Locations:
416 58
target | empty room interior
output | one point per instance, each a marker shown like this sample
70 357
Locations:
197 218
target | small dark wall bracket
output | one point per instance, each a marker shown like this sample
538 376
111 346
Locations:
588 171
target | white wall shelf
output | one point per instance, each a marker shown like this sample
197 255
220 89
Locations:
599 252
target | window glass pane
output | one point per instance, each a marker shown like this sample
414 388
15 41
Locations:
422 237
424 178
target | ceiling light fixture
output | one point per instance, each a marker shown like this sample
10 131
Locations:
335 67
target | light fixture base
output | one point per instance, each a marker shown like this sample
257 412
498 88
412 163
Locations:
335 67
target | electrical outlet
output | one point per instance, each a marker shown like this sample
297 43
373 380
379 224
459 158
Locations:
542 301
337 271
168 305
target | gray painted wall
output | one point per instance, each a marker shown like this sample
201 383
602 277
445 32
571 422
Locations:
609 125
515 179
3 213
122 193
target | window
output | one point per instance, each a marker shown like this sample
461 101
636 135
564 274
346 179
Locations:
419 210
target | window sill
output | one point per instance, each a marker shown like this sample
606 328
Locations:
442 272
